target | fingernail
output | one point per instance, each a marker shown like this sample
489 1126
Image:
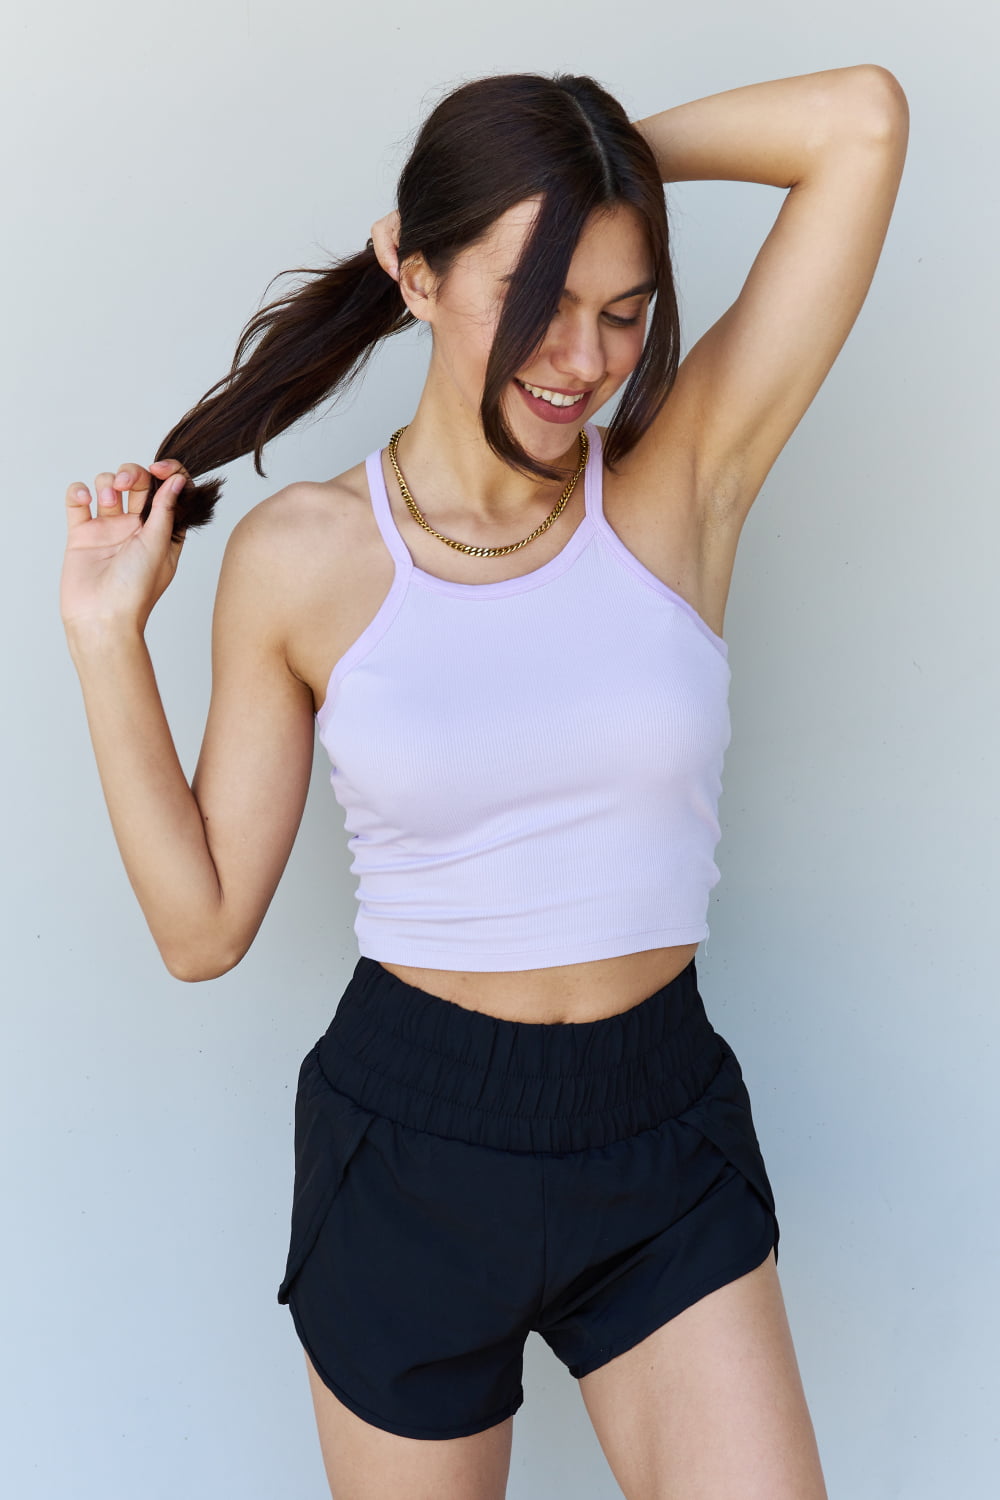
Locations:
177 483
122 478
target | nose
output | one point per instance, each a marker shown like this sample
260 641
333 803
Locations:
577 351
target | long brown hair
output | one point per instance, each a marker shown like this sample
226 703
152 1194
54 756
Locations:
487 146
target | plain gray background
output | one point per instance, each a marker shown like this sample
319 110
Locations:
160 166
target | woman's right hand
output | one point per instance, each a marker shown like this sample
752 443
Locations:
116 567
385 242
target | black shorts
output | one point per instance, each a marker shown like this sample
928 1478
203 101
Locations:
461 1180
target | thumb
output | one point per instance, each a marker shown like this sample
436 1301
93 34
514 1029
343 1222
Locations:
163 506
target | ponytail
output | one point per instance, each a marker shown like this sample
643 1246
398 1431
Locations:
313 343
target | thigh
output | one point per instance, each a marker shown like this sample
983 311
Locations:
710 1406
366 1463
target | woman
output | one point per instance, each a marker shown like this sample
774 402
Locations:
507 625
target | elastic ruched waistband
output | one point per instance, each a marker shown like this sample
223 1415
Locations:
432 1065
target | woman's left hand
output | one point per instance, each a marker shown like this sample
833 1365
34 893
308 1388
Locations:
385 243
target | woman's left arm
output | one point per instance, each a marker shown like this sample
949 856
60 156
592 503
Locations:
836 140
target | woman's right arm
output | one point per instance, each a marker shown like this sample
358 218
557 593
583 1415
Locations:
203 859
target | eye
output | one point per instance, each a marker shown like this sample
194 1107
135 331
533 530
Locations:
622 322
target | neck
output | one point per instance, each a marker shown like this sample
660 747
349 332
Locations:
457 480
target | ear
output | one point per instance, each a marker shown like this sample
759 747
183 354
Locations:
417 283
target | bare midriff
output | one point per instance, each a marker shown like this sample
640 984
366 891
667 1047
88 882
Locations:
567 992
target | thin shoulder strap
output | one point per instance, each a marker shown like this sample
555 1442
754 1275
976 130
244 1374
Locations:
593 477
383 512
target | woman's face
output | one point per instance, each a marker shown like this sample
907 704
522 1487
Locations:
591 346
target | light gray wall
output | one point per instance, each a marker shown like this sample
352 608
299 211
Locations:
162 163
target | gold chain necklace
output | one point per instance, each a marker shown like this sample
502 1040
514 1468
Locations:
487 551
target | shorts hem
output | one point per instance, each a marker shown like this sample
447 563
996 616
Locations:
712 1283
399 1429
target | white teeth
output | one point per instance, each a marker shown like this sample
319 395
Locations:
553 397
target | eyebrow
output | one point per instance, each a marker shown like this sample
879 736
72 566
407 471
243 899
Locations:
635 291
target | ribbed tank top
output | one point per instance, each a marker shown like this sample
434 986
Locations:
530 769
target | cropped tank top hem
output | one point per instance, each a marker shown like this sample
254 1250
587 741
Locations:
453 956
593 524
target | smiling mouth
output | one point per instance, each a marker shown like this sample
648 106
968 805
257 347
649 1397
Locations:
554 398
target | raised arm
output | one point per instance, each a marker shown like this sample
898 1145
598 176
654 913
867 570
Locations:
836 140
203 859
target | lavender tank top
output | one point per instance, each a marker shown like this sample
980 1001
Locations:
530 770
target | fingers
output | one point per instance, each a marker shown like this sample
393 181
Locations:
385 242
173 476
167 466
138 481
131 480
78 500
109 500
134 481
77 505
164 503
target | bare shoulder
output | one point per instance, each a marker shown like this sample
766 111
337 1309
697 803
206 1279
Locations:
296 538
313 554
292 526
